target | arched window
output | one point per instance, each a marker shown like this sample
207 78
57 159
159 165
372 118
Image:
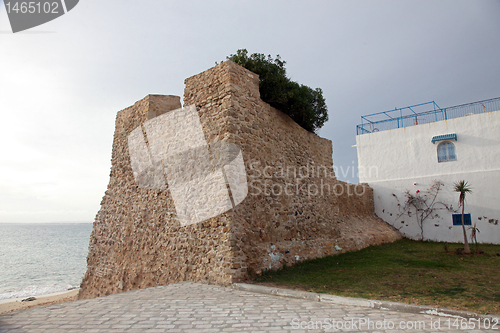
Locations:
446 152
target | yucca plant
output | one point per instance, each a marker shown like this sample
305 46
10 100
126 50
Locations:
462 187
473 235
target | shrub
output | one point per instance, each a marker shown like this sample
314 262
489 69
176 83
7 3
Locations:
306 106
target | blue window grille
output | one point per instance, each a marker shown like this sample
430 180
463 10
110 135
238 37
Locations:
457 219
446 152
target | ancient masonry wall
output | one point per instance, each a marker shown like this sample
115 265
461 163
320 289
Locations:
295 208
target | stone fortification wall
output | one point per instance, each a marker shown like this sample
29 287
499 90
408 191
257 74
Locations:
295 207
136 241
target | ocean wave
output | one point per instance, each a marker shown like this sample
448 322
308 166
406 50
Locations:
39 259
35 291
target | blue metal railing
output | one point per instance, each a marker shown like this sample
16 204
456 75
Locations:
405 117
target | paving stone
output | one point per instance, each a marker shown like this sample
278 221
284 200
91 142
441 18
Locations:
216 309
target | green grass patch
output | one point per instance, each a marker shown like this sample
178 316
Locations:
413 272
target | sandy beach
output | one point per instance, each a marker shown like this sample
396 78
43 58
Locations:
14 304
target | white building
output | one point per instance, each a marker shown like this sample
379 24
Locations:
412 154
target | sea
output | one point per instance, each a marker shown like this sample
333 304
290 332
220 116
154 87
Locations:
42 258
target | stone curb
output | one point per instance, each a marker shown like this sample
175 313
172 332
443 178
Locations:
340 300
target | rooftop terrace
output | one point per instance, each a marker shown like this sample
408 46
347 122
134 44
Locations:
421 114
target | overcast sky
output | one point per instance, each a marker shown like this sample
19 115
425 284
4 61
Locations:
62 83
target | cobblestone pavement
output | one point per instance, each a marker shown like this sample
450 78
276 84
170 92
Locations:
193 307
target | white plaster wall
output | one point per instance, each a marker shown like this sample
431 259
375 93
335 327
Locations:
392 161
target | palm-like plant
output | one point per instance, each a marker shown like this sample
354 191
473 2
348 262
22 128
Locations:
463 188
473 235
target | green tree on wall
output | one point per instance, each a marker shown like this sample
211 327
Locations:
306 106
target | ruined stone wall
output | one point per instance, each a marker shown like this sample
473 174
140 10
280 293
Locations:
295 207
136 241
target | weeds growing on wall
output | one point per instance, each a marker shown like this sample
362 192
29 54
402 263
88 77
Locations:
423 205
